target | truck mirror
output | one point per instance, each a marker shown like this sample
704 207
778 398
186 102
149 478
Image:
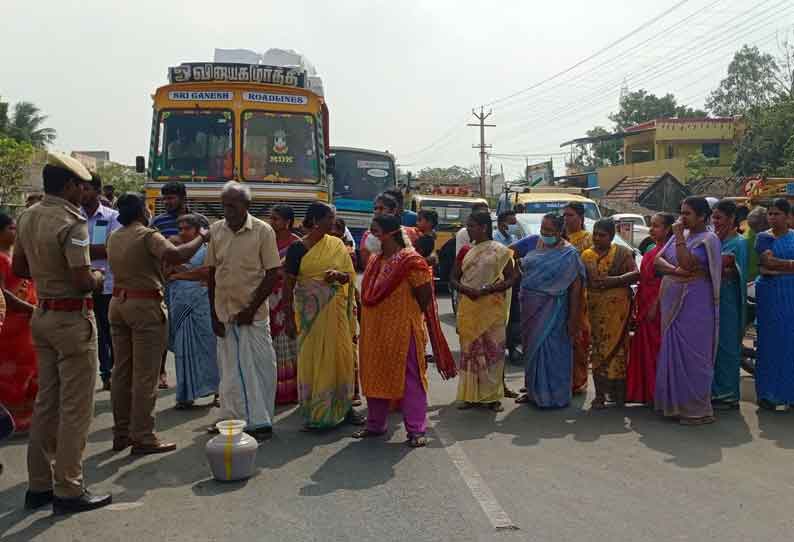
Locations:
330 165
140 164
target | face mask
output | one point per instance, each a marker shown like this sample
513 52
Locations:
372 244
549 240
512 229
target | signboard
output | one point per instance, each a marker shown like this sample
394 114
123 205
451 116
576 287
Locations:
270 98
191 72
372 164
200 95
542 173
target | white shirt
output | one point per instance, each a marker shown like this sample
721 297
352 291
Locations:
462 240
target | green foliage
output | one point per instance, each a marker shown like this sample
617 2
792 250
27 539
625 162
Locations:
641 106
589 157
697 166
123 178
26 124
3 117
446 175
768 146
750 83
15 158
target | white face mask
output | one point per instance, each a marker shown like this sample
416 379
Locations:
372 244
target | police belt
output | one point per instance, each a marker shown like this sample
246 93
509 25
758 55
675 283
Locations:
67 305
130 293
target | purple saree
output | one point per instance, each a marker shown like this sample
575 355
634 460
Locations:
690 323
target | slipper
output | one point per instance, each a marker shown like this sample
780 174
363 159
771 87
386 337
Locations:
523 399
417 441
697 421
366 433
465 405
183 405
496 406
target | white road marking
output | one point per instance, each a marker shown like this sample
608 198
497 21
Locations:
479 489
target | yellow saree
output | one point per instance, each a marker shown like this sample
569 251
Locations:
582 240
481 325
325 321
609 311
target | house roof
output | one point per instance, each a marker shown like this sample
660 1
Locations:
719 187
631 188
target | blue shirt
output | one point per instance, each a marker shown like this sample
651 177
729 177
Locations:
503 239
111 216
166 224
526 245
408 218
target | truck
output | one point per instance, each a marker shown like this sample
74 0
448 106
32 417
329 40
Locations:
262 125
358 176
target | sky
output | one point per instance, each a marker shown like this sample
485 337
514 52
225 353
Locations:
398 76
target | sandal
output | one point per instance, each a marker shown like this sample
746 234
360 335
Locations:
599 403
697 421
354 418
216 401
510 394
183 405
163 385
523 399
496 406
466 405
365 433
417 441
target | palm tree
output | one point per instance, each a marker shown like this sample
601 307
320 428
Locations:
26 125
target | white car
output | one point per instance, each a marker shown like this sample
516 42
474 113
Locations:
641 229
529 224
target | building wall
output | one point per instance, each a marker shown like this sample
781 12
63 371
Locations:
609 176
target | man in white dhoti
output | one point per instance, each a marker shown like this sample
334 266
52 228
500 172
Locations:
243 265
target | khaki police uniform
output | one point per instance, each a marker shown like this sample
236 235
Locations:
139 327
54 238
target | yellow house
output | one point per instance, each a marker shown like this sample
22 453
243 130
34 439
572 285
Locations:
662 146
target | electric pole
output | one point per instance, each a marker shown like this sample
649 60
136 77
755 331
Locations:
482 146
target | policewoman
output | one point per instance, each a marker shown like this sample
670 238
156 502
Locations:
52 249
139 322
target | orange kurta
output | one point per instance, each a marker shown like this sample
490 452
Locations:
386 331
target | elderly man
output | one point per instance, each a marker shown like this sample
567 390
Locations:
756 222
243 266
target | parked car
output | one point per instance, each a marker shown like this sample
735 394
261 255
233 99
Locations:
640 226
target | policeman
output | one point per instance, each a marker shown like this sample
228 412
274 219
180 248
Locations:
139 323
52 249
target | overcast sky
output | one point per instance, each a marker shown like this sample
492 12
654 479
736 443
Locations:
401 76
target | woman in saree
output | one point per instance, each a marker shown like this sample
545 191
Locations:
19 372
320 299
647 339
611 271
691 265
733 299
192 339
395 294
550 314
482 278
774 373
580 238
282 219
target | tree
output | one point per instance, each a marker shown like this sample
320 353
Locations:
15 158
641 106
448 175
3 117
591 156
697 166
123 178
767 147
26 124
750 83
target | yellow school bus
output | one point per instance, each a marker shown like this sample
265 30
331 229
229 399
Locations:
260 125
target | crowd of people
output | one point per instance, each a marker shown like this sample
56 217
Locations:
259 314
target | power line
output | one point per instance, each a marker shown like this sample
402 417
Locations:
594 55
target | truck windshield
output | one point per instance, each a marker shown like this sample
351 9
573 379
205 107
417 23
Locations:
194 143
279 147
361 176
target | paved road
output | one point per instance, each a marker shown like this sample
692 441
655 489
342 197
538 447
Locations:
563 476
